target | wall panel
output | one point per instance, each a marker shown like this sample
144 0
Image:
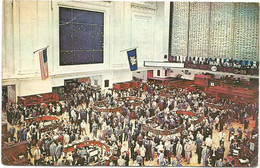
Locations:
180 29
26 32
142 29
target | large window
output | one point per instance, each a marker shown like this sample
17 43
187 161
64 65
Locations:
81 36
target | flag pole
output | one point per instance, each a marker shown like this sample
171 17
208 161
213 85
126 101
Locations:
129 49
41 49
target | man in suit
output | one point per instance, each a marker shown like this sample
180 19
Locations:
179 150
37 135
222 137
20 134
132 147
187 149
58 151
213 155
246 124
43 150
219 163
198 144
95 129
82 152
205 156
53 148
126 158
12 131
240 132
139 160
221 151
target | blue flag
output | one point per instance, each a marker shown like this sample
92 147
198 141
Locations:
132 58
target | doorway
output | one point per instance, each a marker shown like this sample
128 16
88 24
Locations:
8 97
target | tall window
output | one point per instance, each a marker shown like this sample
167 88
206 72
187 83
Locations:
81 36
158 72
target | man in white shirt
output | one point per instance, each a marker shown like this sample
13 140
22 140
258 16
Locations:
28 135
121 161
137 147
66 138
83 127
199 136
216 122
73 115
58 109
124 148
22 119
160 147
41 125
142 152
161 160
187 149
208 142
37 156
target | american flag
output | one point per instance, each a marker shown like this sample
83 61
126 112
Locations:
44 64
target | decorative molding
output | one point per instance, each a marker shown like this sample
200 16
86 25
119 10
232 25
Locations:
144 7
97 3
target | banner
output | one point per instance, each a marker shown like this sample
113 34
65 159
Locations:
44 64
132 58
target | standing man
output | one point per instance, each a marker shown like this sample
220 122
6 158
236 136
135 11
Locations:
58 151
208 142
37 156
205 154
240 132
213 156
126 158
246 124
199 152
198 144
222 137
187 149
179 150
95 129
142 152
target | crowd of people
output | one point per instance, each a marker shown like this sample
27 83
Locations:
123 131
217 62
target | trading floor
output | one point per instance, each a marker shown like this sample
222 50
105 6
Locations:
130 83
149 124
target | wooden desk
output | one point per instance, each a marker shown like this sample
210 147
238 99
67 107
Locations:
15 150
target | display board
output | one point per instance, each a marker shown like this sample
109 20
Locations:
246 31
180 29
81 36
215 29
199 29
221 30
